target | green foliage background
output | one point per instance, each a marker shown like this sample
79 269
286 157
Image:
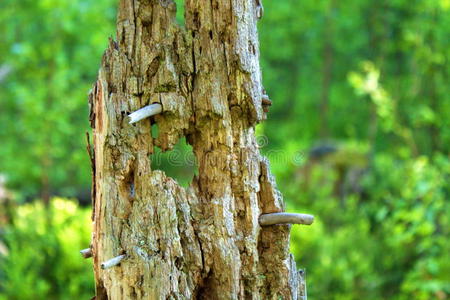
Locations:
358 135
41 261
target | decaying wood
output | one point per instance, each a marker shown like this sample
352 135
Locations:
201 242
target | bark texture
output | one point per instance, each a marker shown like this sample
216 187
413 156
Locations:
201 242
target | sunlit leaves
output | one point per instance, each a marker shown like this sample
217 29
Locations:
52 47
43 260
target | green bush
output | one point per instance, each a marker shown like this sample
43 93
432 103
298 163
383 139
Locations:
390 242
42 260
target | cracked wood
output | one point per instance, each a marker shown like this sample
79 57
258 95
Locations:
202 242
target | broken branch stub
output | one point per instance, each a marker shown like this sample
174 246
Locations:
86 253
145 112
285 218
113 262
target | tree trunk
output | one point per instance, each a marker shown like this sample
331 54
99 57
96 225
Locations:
203 242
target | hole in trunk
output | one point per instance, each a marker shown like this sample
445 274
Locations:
179 163
154 130
180 12
206 291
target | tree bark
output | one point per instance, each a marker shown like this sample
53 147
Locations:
202 242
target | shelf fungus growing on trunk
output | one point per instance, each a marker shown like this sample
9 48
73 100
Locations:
204 241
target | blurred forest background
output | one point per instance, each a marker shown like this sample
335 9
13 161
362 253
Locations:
358 135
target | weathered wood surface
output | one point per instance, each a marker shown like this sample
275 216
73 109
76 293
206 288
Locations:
203 242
